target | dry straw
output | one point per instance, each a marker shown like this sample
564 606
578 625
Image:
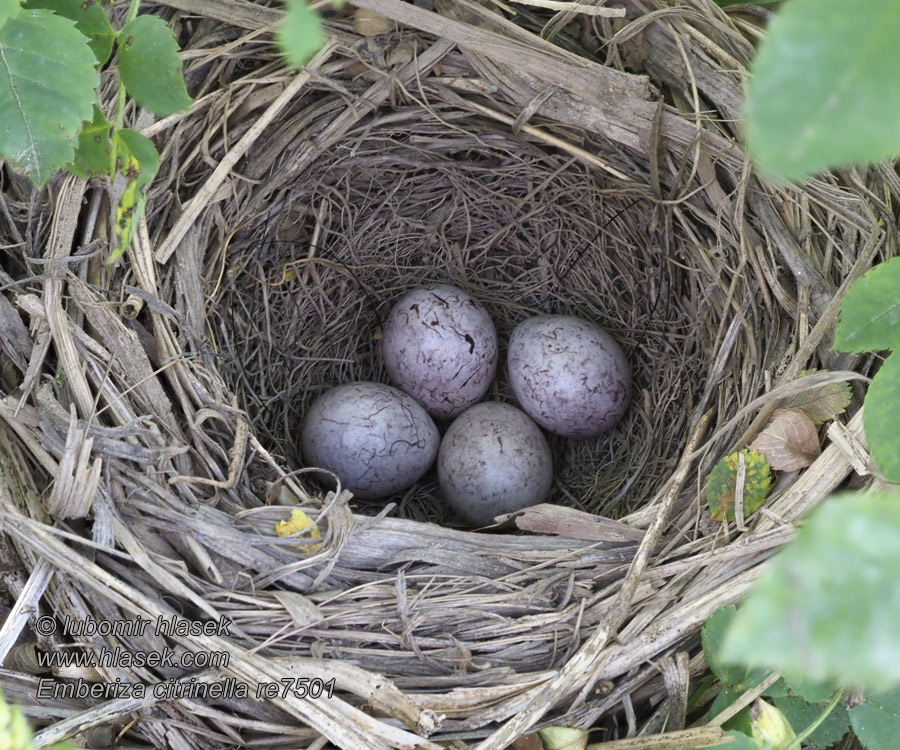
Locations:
545 157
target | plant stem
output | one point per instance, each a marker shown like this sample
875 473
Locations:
120 98
795 745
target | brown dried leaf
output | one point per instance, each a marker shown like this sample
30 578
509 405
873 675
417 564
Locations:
822 403
790 441
369 23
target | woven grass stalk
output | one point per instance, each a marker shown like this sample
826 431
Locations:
549 162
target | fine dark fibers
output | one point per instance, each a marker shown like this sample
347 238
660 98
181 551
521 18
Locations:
665 277
590 243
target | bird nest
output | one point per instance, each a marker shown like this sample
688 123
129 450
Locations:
545 163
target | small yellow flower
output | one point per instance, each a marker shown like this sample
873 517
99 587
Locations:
299 522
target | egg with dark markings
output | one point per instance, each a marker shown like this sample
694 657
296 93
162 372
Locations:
493 460
440 346
569 375
376 438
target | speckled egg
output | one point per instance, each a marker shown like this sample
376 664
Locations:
493 460
376 438
440 346
569 375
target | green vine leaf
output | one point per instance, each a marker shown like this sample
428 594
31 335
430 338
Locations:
300 35
722 484
819 75
150 67
43 113
90 19
8 9
741 720
876 722
870 311
138 163
801 713
94 147
15 733
828 605
882 415
712 636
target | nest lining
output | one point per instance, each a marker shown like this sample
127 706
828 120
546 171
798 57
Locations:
413 197
742 277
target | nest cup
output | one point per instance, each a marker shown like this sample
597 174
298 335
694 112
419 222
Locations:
412 196
546 163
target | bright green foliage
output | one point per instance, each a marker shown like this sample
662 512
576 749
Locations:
823 88
712 636
827 607
47 82
722 484
811 692
138 161
882 415
300 33
870 311
15 734
741 720
8 9
870 319
877 721
94 147
150 67
801 714
90 19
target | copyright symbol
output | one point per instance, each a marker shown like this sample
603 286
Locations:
45 625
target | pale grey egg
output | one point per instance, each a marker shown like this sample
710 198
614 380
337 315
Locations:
568 374
493 460
376 438
440 346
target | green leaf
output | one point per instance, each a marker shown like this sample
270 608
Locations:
828 605
722 484
712 636
47 82
823 402
150 67
702 692
778 689
882 415
802 714
300 35
741 720
820 93
811 692
90 19
94 147
870 311
8 9
138 162
877 721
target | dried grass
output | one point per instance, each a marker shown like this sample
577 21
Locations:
290 212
